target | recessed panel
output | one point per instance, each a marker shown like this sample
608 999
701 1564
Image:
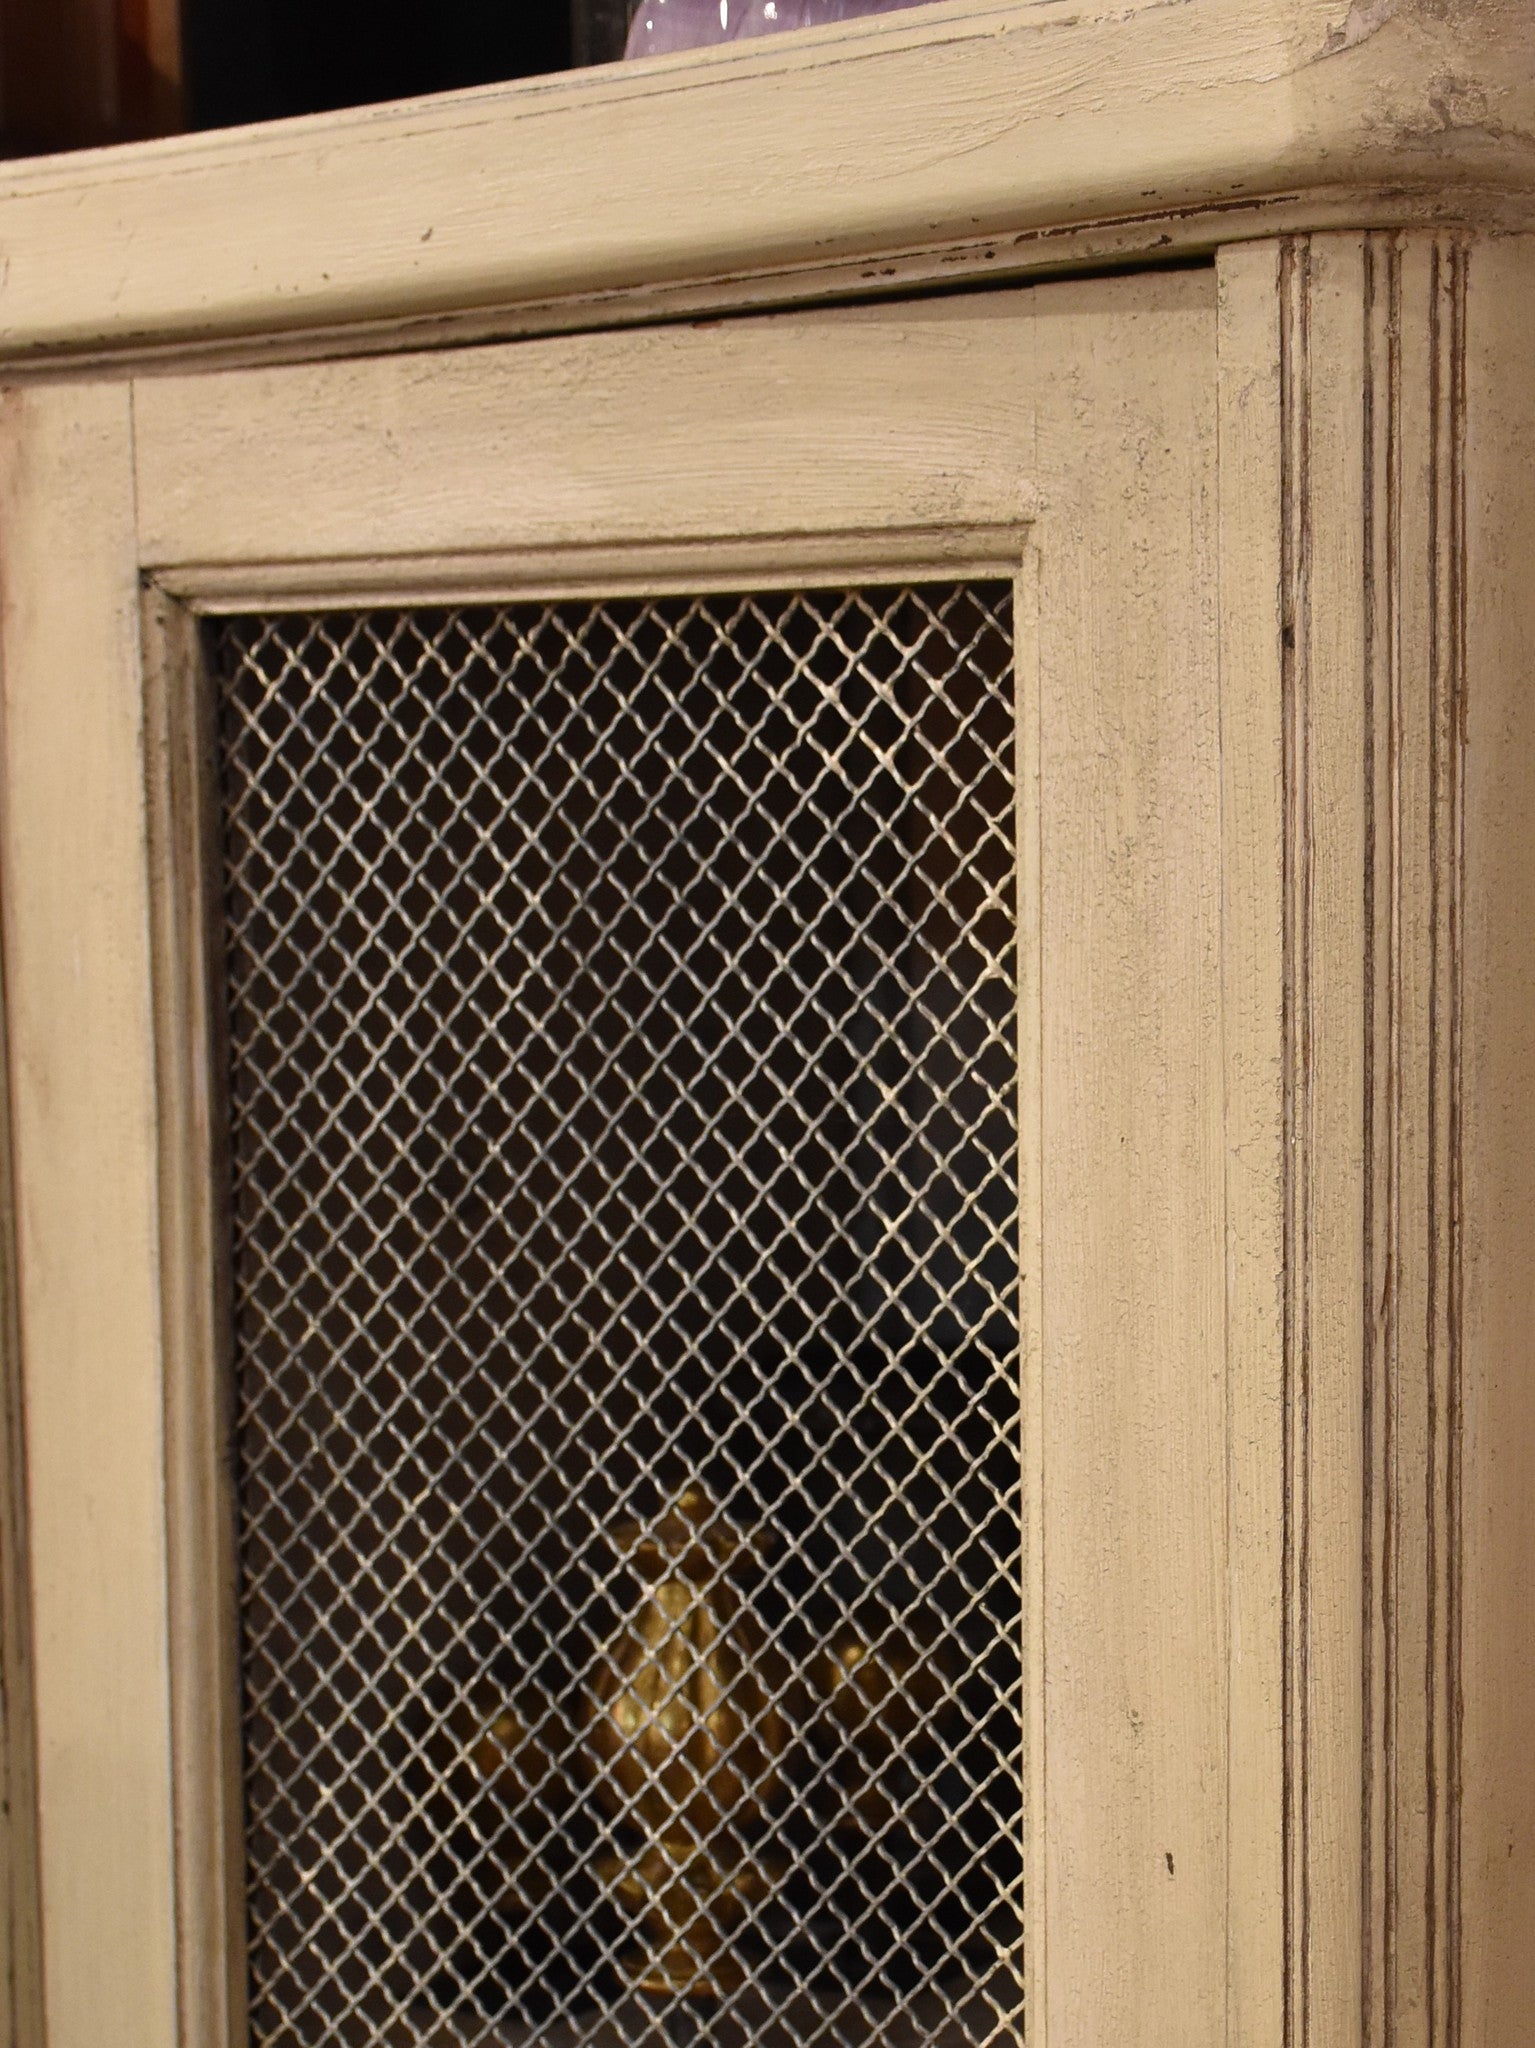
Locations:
624 1152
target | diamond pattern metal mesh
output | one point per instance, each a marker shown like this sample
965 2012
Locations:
624 1207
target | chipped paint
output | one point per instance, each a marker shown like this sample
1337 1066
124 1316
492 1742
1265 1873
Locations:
1360 23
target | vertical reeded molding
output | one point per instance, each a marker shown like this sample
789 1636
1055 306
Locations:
1295 557
1372 351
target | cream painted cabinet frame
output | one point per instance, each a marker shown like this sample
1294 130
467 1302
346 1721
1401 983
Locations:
1267 513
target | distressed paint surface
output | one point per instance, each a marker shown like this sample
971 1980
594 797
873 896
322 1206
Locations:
997 136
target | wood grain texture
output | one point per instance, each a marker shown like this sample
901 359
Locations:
979 136
184 867
1415 306
759 432
1373 595
1251 472
1324 856
82 1084
1009 421
21 1987
1132 1181
1495 1440
1278 1285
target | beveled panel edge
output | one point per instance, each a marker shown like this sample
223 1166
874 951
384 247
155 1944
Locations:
656 569
182 857
182 862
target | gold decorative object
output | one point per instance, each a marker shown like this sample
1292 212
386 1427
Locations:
693 1727
687 1740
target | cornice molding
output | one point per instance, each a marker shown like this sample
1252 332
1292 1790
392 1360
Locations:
967 138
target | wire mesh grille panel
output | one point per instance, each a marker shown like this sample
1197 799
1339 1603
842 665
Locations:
622 1079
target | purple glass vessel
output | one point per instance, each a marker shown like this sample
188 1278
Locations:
663 25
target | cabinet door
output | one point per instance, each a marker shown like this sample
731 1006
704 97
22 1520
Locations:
607 936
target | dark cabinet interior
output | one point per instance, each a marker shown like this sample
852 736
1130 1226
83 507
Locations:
75 73
252 62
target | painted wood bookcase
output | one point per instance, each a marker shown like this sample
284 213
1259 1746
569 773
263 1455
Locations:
1184 354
